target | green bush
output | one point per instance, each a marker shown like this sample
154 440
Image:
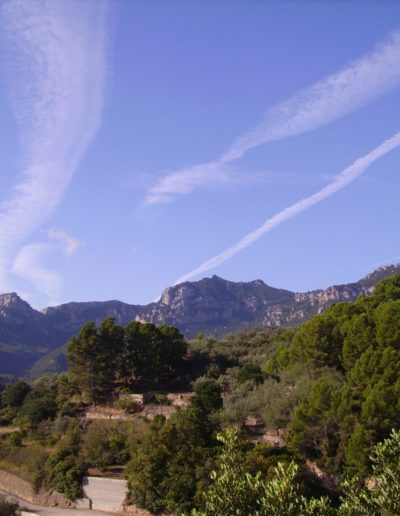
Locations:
15 439
65 473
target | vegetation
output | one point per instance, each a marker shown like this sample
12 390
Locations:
236 492
329 390
100 358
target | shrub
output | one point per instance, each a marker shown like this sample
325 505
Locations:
15 439
65 473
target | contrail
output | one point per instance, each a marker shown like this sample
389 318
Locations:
27 265
331 98
55 66
345 177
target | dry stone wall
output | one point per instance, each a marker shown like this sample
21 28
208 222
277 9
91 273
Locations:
22 489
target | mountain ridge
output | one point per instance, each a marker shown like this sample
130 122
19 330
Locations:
210 305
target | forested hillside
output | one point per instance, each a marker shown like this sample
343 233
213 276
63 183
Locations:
289 411
33 343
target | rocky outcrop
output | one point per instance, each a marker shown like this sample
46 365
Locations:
211 305
214 305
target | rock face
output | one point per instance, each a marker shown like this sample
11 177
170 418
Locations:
211 305
214 305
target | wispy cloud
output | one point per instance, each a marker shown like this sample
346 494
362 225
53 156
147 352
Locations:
27 265
56 69
225 176
185 181
68 243
356 85
345 177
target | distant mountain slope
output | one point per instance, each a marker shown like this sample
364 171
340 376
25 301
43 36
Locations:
211 305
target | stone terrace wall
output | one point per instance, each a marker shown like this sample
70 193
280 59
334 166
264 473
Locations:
22 489
106 494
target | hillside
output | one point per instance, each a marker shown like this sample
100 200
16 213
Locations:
298 411
212 306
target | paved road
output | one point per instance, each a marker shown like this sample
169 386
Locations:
53 511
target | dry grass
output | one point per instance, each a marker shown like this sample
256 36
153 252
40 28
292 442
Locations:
7 430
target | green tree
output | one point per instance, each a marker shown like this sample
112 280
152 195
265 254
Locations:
65 473
152 353
384 497
387 317
359 334
93 357
319 342
169 469
208 396
15 394
235 492
314 429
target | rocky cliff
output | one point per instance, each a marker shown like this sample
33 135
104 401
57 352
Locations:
211 305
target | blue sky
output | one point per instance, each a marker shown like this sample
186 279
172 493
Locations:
145 142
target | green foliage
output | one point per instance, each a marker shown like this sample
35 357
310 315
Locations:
207 396
25 461
334 382
359 333
387 318
313 429
274 400
14 394
319 341
65 473
235 492
344 417
15 439
250 373
152 353
169 468
386 290
103 447
101 358
38 406
384 496
92 356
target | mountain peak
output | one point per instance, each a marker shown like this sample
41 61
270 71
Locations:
12 299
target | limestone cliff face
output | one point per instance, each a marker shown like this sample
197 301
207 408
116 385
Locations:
19 322
211 305
214 305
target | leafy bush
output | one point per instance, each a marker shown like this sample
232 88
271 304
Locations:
65 474
15 394
236 492
15 439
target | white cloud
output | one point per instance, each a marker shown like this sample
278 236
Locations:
184 181
27 266
360 83
345 177
68 243
56 73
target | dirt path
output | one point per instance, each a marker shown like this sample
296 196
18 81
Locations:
53 511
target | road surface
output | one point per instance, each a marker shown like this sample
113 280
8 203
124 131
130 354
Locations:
53 511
